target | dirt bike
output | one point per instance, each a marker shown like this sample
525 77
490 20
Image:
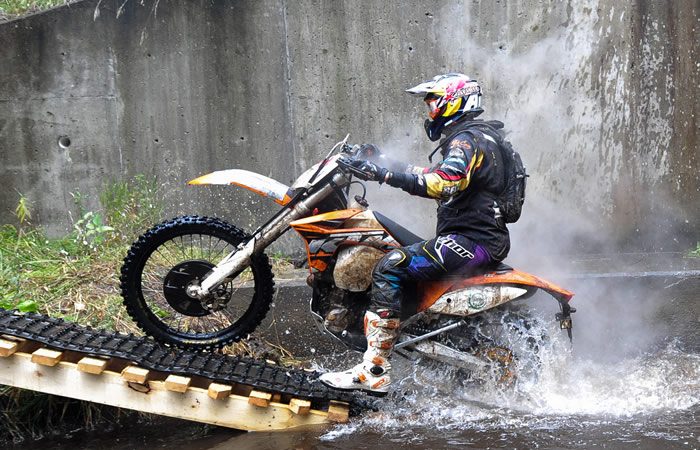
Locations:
201 283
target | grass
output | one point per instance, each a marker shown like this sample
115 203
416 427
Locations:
20 7
76 277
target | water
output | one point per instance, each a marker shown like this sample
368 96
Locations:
576 404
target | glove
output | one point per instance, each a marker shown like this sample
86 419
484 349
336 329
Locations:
369 152
373 171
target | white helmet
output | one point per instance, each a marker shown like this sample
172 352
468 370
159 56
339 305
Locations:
449 97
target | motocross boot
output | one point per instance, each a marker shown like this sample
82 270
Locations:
372 374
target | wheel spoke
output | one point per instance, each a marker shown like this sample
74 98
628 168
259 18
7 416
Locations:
193 247
177 254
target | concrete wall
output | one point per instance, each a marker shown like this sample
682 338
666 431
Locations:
600 97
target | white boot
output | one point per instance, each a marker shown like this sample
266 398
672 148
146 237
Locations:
372 374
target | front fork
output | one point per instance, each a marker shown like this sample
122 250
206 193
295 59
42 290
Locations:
236 261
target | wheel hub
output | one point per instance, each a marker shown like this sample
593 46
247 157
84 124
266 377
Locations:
179 289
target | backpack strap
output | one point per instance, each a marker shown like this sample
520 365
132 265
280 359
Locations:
491 125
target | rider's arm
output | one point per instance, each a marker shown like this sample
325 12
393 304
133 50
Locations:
397 166
452 175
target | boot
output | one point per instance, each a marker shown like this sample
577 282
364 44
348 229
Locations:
372 374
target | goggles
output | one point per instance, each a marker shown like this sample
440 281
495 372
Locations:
434 110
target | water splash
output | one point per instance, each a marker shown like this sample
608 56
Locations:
567 390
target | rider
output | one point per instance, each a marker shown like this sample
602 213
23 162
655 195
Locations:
471 233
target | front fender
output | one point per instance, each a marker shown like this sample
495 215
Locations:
260 184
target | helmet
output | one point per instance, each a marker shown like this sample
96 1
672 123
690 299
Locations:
449 97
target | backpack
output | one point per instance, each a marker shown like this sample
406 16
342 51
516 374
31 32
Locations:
510 200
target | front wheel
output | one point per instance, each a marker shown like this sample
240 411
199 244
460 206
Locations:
174 255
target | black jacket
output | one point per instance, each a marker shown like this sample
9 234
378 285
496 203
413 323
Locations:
465 183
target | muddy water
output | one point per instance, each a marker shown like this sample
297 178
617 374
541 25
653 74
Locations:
630 380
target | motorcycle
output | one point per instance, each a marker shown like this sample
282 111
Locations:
201 283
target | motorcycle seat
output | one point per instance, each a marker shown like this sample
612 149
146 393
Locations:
498 267
401 234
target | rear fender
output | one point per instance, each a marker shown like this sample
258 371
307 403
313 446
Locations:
260 184
474 299
519 284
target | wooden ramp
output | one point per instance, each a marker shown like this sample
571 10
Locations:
29 365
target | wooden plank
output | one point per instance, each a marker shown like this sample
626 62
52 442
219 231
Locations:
176 383
94 366
299 406
218 391
259 398
46 357
23 345
7 348
110 389
338 411
135 374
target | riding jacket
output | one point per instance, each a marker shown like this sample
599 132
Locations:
466 184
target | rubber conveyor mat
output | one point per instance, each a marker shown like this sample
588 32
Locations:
146 353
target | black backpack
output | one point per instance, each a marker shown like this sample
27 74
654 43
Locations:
511 200
513 196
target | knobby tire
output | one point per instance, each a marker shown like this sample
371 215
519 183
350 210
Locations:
148 321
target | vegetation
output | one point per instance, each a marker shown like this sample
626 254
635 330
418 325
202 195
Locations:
19 7
30 414
76 276
696 252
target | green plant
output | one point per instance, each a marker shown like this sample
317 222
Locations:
132 206
90 231
696 252
28 414
24 6
22 211
79 202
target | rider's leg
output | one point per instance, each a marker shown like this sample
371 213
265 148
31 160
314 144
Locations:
393 278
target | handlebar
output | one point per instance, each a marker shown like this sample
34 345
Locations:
345 164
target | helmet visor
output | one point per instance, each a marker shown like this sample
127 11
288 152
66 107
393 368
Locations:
434 110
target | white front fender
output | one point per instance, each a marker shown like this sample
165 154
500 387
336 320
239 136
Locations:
260 184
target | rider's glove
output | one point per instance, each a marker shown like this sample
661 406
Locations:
369 152
373 171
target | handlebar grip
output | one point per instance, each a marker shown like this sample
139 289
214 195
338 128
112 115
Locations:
346 166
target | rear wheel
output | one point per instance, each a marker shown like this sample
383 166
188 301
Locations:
500 345
172 256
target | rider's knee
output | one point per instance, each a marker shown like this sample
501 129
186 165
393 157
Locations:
389 262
